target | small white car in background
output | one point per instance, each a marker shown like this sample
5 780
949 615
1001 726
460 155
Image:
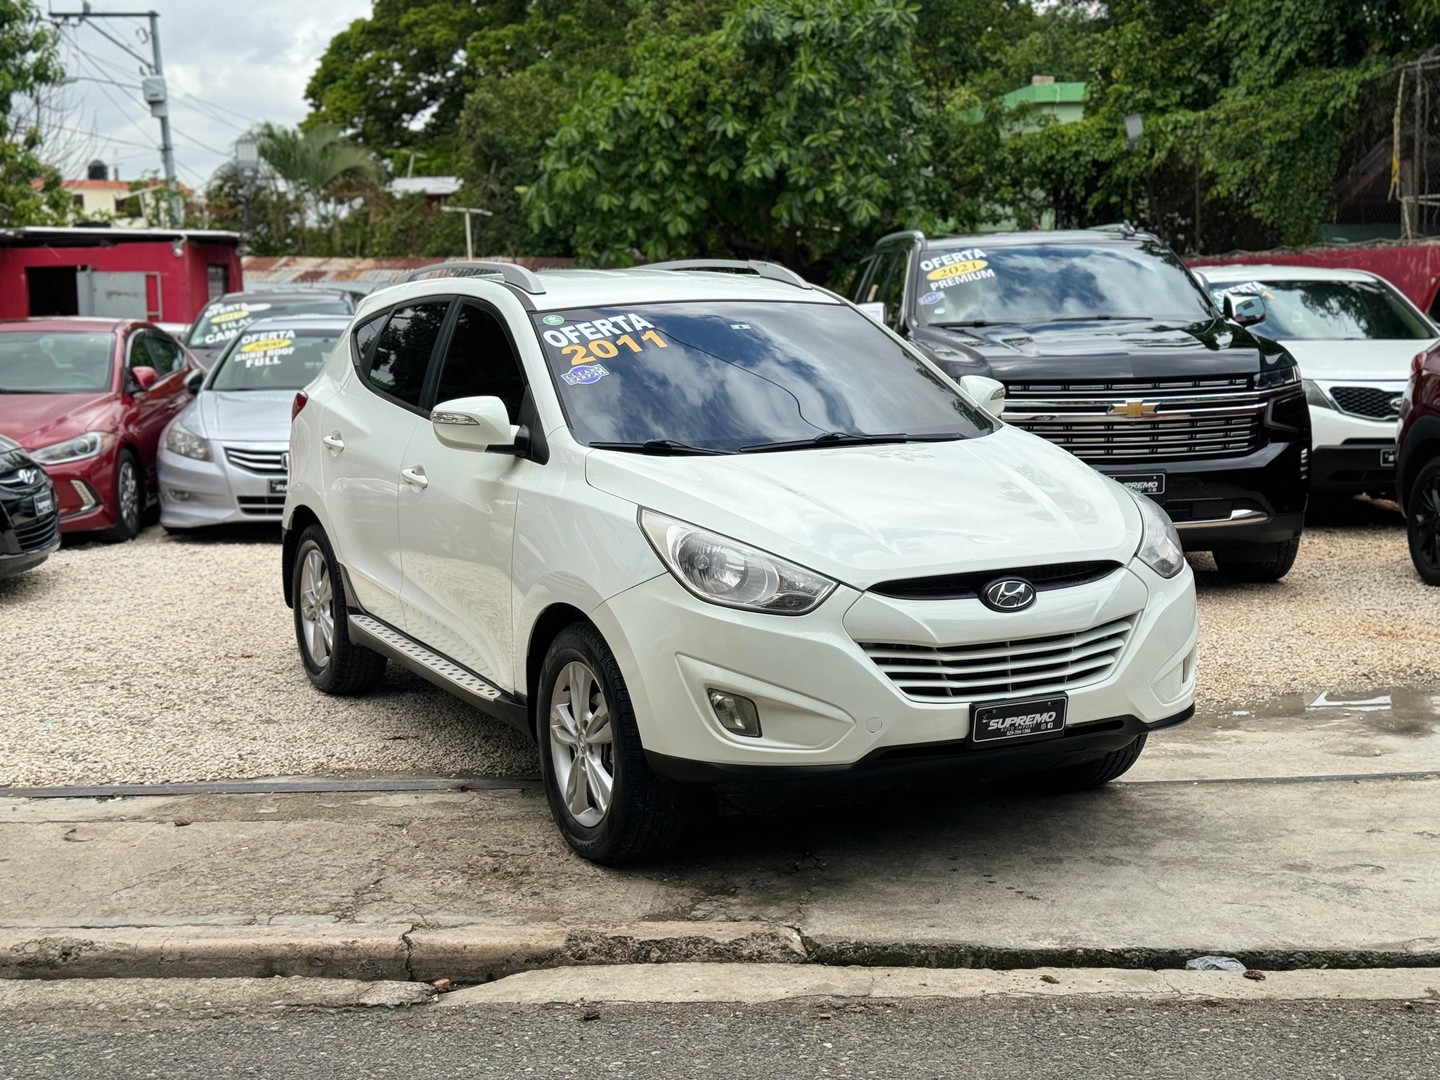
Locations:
689 529
225 459
1353 335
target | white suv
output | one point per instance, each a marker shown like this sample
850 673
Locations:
692 528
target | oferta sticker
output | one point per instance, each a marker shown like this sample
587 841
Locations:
1249 288
605 339
957 268
585 374
265 349
227 320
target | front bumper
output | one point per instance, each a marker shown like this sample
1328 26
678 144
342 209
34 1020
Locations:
1353 455
85 492
823 703
194 493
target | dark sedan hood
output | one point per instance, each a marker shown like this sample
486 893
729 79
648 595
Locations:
1093 349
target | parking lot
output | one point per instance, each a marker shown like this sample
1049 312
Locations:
173 659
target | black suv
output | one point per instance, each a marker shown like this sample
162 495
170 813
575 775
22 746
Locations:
1108 347
29 511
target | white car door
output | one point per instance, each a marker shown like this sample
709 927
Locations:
457 510
367 426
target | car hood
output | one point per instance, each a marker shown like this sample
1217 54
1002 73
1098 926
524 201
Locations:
1368 360
36 420
866 514
1094 349
244 415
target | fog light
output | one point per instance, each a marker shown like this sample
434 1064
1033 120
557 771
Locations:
178 495
87 497
735 713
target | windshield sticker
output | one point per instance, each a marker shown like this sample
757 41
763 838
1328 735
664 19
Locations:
265 349
227 320
1250 288
957 268
584 374
554 320
931 298
602 339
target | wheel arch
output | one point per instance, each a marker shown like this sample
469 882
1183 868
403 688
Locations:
300 520
1424 447
546 629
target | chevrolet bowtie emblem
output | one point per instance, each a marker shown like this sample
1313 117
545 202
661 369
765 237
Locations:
1134 409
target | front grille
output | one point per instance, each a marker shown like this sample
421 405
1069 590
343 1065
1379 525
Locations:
1368 401
261 505
968 585
264 462
34 535
1175 419
13 481
988 669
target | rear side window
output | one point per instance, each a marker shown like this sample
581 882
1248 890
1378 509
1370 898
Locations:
400 355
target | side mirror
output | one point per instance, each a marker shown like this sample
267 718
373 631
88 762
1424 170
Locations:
875 310
1244 310
194 381
476 423
145 377
989 394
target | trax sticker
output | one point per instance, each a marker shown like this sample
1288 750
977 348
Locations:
265 349
931 298
957 268
585 374
602 339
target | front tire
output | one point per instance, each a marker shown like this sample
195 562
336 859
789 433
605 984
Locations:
608 805
1258 562
322 630
1093 774
129 498
1422 523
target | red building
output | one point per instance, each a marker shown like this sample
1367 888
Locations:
164 275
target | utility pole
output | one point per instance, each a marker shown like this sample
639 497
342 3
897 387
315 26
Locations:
468 211
151 85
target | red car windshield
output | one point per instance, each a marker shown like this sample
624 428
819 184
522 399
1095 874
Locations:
55 362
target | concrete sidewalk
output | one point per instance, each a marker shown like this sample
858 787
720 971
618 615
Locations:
474 885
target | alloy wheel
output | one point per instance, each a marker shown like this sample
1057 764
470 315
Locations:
582 746
1425 523
129 492
317 608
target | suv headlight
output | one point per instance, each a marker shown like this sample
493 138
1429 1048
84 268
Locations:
77 449
1316 397
1159 542
181 440
723 571
1283 373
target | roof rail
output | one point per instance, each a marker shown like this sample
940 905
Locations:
904 234
773 271
511 273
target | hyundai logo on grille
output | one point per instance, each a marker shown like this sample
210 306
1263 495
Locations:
28 476
1008 594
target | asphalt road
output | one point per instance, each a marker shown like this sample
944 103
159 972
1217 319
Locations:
984 1039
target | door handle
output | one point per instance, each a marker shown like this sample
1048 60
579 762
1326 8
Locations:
333 441
415 475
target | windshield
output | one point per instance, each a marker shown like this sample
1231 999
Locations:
723 376
1334 310
1042 282
273 359
55 362
222 322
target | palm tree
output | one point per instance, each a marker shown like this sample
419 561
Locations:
321 167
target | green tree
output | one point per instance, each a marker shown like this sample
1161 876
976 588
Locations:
28 63
323 170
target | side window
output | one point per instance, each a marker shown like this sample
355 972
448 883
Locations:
890 279
140 352
164 354
401 353
480 362
864 288
366 334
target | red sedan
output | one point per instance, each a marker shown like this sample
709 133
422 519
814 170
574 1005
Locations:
1417 463
89 398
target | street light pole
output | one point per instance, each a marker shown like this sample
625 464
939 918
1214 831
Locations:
468 211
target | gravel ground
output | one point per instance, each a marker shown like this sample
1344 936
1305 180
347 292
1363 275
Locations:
171 659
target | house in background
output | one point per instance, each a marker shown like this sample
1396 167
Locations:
1043 103
98 198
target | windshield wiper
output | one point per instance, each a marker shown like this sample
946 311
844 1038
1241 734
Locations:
977 322
658 446
1102 318
9 390
829 438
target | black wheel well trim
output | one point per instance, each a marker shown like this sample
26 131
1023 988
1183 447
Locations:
300 520
544 630
1421 447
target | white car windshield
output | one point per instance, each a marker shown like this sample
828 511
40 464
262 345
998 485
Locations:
273 359
1330 310
729 376
223 320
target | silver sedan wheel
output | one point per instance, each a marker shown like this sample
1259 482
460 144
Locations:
582 747
317 608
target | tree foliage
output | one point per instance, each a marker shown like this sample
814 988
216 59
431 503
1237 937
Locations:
28 63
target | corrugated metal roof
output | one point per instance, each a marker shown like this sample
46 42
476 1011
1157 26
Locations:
270 270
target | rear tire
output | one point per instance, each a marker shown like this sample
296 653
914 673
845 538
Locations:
1422 523
322 630
1258 562
608 804
129 498
1093 774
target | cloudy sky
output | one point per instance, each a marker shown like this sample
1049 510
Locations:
228 63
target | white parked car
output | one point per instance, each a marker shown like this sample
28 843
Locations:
688 528
226 457
1353 335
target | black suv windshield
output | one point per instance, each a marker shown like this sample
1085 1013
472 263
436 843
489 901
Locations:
223 320
1056 282
273 359
1330 310
723 376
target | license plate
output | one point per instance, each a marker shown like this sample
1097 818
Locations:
1387 459
1008 720
44 503
280 487
1151 484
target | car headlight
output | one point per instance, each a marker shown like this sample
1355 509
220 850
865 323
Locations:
723 571
1283 373
1159 542
77 449
183 441
1316 397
